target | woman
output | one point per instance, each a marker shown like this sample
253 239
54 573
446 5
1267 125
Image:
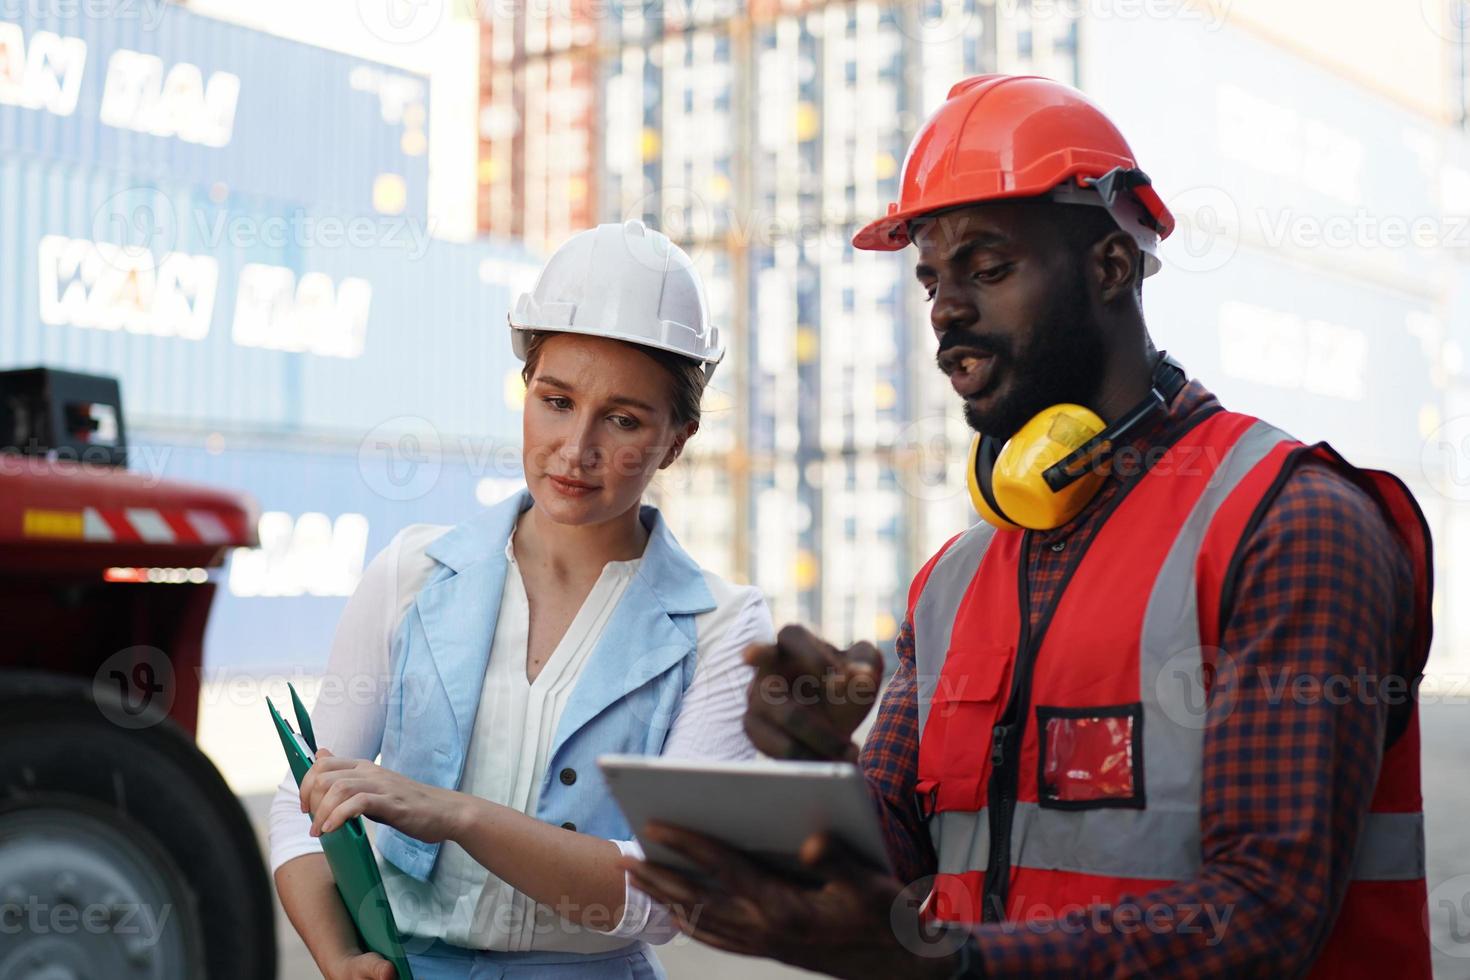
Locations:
491 664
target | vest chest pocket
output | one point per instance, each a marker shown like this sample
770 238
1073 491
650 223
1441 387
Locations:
954 749
1090 757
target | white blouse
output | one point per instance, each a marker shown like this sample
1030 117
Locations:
462 903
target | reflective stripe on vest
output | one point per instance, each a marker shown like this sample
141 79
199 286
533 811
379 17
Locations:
1161 840
1390 847
934 613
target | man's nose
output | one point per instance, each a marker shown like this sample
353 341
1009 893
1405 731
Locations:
951 309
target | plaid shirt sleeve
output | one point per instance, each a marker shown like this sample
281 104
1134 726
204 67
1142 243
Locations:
1324 591
890 760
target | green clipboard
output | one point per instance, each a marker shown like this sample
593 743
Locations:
349 854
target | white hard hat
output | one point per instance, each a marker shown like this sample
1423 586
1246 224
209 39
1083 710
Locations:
626 282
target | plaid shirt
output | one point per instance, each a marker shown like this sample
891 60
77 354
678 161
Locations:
1324 590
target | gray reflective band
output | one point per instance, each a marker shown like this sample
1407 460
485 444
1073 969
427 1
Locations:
1170 676
1116 843
962 840
937 607
1390 848
1145 843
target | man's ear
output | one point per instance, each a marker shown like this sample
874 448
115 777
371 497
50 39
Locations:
678 447
1117 262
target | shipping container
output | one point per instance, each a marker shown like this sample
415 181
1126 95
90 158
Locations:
155 91
1323 355
225 311
1317 277
1287 158
558 173
669 135
1317 274
758 136
698 500
499 121
722 409
324 514
539 90
780 556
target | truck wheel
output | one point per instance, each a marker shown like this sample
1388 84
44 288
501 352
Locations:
123 853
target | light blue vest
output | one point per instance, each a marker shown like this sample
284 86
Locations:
624 701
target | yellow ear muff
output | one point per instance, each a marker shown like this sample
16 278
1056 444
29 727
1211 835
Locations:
1016 481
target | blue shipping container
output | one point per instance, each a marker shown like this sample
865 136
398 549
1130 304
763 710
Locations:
238 313
1324 356
153 90
325 514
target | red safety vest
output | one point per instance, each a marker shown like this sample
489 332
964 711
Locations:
1061 766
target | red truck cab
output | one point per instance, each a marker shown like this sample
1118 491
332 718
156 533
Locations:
123 852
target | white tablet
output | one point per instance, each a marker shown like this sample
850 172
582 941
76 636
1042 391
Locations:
765 807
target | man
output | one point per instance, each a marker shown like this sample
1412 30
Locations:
1166 728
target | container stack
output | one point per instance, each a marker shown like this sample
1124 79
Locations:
235 226
760 135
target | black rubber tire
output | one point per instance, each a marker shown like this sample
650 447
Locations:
58 743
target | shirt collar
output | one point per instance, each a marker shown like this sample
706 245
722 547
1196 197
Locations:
674 577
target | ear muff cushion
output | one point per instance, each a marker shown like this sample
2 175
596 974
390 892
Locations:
983 452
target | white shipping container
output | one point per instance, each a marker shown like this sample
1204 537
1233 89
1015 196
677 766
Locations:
699 503
863 562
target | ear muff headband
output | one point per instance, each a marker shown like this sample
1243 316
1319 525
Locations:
1087 457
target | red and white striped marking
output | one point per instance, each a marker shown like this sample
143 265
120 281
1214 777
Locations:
153 526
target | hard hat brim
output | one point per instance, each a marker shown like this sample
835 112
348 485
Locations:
518 333
891 232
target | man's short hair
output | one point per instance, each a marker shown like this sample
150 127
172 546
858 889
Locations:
1083 226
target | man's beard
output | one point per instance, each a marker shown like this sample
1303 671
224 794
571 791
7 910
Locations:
1064 362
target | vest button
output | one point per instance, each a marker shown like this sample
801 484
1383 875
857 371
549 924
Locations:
568 826
568 777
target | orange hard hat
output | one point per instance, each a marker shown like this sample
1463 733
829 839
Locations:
1004 136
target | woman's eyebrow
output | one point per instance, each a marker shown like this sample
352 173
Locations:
615 399
636 403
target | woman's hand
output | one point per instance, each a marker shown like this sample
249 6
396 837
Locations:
363 966
336 790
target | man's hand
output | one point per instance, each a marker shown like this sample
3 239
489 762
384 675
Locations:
846 925
807 697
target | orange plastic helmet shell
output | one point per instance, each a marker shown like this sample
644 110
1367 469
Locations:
1001 136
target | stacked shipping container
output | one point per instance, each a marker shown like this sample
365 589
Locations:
1318 277
256 265
234 225
758 135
